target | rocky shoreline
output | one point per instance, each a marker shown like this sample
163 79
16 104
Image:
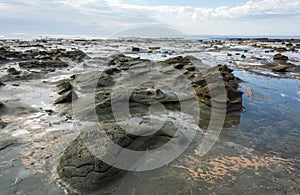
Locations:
129 93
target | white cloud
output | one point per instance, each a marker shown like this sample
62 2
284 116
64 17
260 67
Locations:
115 15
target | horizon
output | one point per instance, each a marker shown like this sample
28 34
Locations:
107 17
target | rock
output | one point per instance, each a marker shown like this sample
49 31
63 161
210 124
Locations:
189 67
67 97
1 84
3 124
64 87
229 54
75 55
83 164
13 71
281 49
45 64
205 91
280 68
105 80
136 49
5 143
280 57
289 45
110 71
179 62
154 48
243 56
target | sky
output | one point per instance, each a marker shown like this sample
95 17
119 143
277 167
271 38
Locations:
191 17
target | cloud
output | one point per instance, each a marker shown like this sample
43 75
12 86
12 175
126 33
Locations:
110 16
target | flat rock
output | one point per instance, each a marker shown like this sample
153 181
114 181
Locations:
280 68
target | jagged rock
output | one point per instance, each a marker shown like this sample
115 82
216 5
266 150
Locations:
280 68
135 81
67 97
280 57
47 64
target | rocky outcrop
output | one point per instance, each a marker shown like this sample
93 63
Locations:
83 164
211 93
47 64
53 54
141 86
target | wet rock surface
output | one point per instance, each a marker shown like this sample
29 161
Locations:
82 163
41 151
48 64
109 90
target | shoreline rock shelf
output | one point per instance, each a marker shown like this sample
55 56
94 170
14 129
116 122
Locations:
140 83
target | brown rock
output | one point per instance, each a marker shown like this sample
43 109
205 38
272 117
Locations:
280 68
280 57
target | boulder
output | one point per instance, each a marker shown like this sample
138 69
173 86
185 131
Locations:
87 163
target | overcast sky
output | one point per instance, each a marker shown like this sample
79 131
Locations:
194 17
